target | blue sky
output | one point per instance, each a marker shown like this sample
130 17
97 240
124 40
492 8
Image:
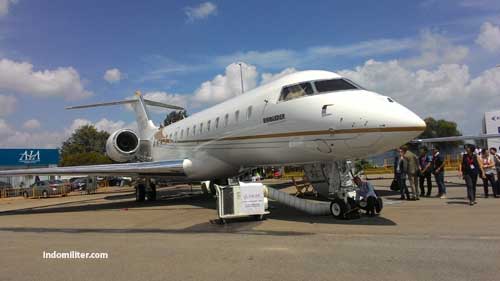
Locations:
433 56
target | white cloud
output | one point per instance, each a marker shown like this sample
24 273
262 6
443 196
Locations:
7 105
436 49
5 5
480 4
447 92
201 11
272 59
489 37
223 87
164 97
433 49
365 48
101 125
19 77
268 77
113 75
31 124
13 137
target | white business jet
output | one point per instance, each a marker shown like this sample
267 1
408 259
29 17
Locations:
309 118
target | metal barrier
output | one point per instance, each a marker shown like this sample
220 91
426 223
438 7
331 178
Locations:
32 192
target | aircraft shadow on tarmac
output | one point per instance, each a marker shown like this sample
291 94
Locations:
171 198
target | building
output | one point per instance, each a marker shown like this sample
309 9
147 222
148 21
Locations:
492 126
25 158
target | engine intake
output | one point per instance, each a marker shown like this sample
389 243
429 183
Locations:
122 145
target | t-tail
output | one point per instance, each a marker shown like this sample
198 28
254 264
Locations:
145 125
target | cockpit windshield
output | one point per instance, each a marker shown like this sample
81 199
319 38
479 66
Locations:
296 91
334 85
323 86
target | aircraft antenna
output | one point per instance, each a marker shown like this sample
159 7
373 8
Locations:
241 77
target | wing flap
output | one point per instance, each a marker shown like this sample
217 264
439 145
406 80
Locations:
457 138
158 168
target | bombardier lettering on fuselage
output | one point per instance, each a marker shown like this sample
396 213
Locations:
274 118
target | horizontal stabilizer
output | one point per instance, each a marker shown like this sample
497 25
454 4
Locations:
146 101
173 168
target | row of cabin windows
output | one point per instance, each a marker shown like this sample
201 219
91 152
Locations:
209 124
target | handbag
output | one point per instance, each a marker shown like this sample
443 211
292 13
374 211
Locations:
394 185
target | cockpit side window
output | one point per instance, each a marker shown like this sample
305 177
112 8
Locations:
334 85
296 91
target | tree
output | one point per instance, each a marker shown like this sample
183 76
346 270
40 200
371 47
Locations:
86 146
174 116
441 128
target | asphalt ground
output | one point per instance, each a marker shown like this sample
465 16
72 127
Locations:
173 239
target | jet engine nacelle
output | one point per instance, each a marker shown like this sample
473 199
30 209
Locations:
122 145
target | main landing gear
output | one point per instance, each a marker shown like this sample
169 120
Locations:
145 190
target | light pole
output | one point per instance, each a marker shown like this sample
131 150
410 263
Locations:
241 77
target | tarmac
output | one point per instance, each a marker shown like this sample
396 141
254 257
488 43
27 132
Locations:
174 239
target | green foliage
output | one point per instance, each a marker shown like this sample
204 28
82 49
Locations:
441 128
174 116
361 165
86 146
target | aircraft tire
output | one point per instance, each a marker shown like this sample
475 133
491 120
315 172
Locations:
338 208
140 193
379 205
151 194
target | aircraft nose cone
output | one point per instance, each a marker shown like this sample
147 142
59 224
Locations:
413 120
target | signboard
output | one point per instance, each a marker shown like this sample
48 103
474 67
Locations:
29 157
251 198
492 122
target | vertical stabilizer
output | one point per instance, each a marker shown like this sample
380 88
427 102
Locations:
145 125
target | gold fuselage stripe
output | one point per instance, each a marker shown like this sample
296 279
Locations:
312 133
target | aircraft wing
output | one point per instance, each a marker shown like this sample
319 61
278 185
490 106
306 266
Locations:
173 168
457 138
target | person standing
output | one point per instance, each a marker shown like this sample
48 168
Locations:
400 168
425 167
438 171
496 157
412 171
470 169
487 163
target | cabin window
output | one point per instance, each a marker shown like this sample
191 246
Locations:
217 123
208 125
249 112
226 120
182 133
333 85
296 91
236 116
187 132
175 136
201 128
194 130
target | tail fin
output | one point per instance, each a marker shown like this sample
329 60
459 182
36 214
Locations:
144 123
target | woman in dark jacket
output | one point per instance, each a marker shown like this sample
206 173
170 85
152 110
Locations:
470 171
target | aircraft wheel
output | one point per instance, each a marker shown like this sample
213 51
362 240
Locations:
25 194
379 205
151 194
338 208
211 187
140 192
45 194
